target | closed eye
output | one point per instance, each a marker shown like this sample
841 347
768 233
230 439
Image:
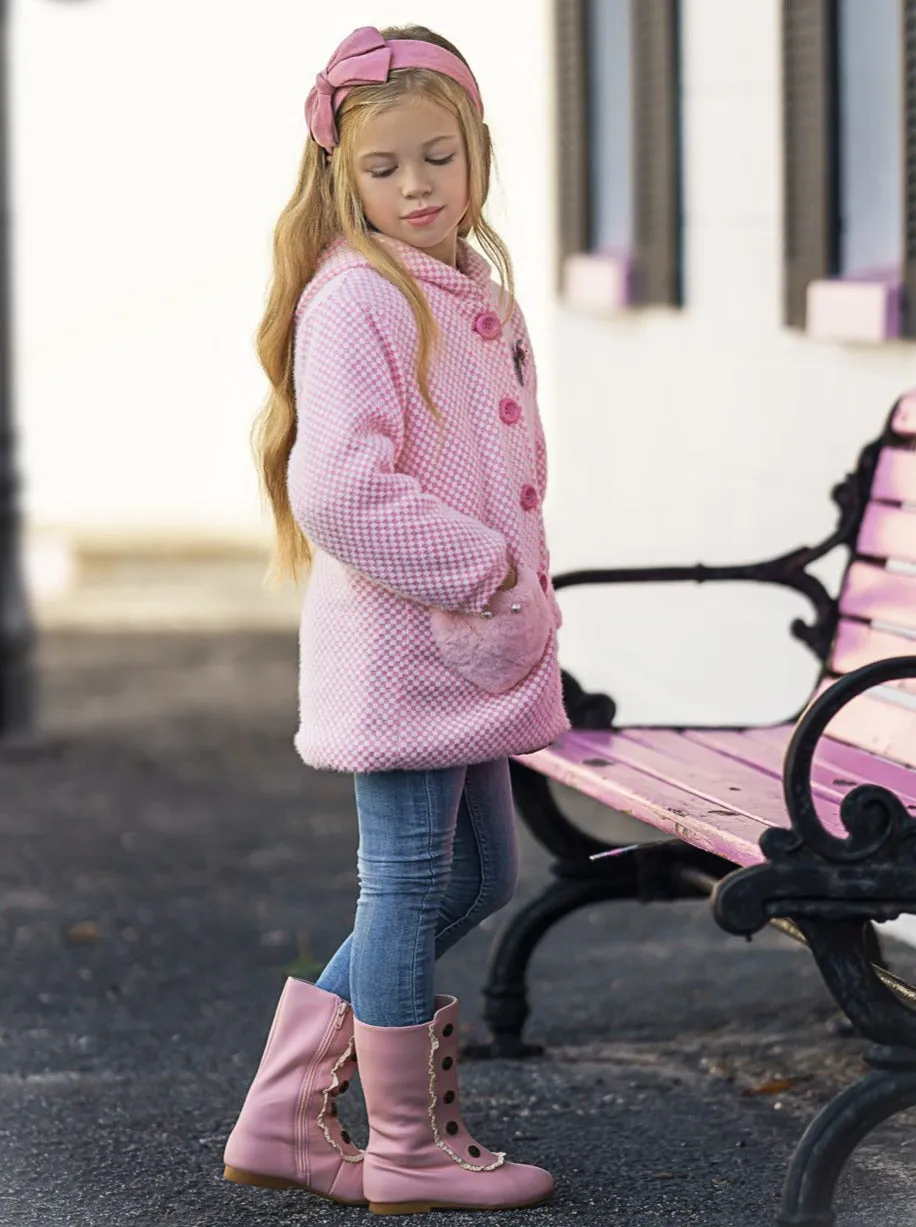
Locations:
383 174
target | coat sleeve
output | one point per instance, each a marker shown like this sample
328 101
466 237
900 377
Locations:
345 490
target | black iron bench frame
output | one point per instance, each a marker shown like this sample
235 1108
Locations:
821 889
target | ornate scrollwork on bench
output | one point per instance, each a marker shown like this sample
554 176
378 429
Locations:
831 885
871 870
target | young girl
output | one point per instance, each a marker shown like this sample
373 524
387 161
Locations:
404 458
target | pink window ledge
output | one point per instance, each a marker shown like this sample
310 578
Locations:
864 307
599 280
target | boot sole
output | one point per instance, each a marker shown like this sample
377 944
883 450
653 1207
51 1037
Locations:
424 1207
255 1179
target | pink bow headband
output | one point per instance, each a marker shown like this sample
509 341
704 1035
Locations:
365 58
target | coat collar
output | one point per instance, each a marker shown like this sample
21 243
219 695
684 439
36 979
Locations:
471 279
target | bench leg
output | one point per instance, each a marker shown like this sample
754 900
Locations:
841 1025
505 992
833 1135
652 873
577 882
833 900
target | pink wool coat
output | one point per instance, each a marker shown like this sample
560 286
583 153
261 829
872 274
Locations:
401 534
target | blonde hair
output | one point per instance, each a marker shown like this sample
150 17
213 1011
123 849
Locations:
324 205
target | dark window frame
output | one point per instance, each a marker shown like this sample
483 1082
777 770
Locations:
908 271
810 150
657 196
811 94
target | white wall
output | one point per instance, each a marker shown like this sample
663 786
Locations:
155 143
710 433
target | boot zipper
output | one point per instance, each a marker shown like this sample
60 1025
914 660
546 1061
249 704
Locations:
305 1093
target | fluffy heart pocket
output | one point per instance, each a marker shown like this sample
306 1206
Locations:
499 652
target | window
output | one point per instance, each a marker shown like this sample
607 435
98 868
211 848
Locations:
847 72
870 119
610 117
619 194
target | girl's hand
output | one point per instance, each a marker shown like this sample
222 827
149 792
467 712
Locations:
511 579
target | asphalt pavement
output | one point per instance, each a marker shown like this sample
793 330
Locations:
165 856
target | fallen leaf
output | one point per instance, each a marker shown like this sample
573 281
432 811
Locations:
84 931
773 1087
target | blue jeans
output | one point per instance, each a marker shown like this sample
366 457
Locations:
437 853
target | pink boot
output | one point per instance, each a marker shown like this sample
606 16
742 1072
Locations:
420 1155
288 1134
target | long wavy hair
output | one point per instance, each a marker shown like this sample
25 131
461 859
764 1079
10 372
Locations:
325 205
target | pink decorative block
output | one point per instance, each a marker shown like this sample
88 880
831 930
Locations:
861 309
598 281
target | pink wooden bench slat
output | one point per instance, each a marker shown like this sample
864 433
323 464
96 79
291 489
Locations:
696 802
905 416
775 735
735 744
671 809
878 595
895 476
837 767
731 744
862 766
670 756
767 752
887 729
888 532
857 644
883 729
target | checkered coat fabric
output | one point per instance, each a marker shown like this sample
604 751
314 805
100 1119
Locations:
399 528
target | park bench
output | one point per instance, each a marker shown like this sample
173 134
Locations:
808 825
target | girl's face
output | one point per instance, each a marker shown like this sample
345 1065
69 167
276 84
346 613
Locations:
412 176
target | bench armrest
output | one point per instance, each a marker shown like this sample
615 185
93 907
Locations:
788 570
772 571
870 812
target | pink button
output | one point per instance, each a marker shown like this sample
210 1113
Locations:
488 325
529 497
542 576
509 410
